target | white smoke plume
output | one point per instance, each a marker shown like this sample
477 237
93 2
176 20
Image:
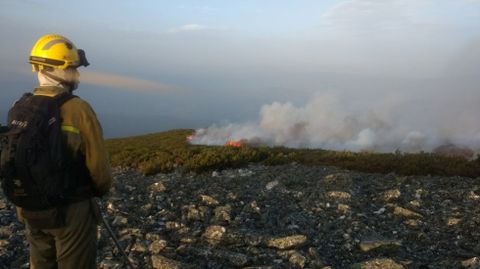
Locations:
330 122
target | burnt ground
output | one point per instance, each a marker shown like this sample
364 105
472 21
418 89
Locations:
289 216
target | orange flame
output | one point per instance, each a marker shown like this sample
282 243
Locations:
190 137
236 144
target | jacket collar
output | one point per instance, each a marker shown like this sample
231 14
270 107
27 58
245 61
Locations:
49 90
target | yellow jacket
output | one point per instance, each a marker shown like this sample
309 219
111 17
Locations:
84 134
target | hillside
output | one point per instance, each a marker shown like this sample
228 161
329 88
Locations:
287 216
175 205
166 151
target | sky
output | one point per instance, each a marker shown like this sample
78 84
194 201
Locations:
157 65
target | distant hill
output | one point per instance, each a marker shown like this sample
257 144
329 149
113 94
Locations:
127 125
115 125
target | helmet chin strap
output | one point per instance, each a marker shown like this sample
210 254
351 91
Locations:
70 85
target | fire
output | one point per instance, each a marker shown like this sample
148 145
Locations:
236 144
190 137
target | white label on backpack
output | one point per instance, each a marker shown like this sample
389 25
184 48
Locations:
52 121
21 124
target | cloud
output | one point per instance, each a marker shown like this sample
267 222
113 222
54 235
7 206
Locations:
193 28
389 37
123 82
387 15
374 15
199 8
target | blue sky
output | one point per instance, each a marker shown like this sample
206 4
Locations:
164 64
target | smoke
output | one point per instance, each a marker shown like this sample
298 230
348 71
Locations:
123 82
336 122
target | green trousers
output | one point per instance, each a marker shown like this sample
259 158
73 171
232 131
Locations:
71 247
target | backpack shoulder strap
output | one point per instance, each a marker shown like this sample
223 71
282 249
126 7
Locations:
24 96
62 98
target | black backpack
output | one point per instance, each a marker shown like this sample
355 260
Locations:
33 159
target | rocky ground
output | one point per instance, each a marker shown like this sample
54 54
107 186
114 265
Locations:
289 216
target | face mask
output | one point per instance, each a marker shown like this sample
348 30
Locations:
68 78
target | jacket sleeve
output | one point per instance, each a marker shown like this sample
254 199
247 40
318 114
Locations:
96 156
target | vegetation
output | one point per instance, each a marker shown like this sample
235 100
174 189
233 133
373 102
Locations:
163 152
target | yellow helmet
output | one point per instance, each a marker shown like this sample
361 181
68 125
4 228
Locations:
56 51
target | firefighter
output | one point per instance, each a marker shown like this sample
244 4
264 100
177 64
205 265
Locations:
73 244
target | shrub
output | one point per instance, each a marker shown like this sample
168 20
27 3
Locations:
163 152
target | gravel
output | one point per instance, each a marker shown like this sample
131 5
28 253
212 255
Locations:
288 216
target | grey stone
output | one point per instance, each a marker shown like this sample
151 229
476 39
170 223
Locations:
343 209
222 214
110 264
369 245
139 247
472 263
131 231
157 187
391 195
193 212
297 260
287 242
161 262
339 195
173 225
272 184
157 246
378 264
208 200
153 236
403 212
213 234
4 243
5 231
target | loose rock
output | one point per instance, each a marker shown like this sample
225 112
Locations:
161 262
157 246
370 245
287 242
272 184
157 187
222 214
214 233
297 260
233 220
208 200
339 195
473 263
391 195
378 264
400 211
